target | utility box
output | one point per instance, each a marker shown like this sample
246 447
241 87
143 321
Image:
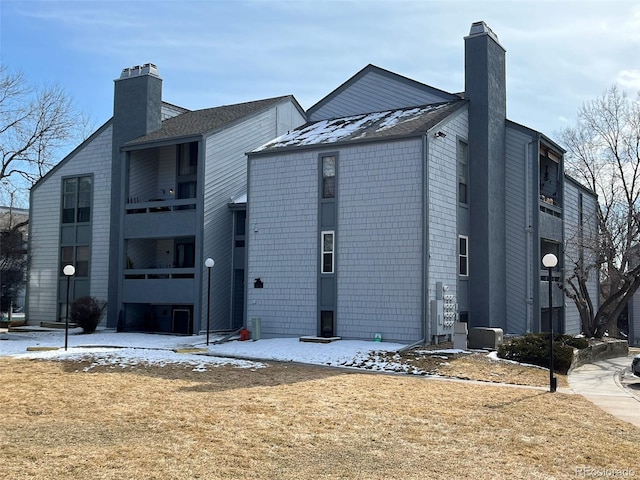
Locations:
485 338
256 328
460 333
444 312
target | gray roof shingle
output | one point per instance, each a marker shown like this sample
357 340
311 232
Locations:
377 125
198 122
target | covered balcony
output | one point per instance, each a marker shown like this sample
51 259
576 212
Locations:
160 270
161 192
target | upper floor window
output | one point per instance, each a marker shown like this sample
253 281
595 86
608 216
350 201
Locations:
463 167
329 177
463 255
187 158
76 199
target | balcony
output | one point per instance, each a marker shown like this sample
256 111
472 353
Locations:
158 273
160 218
170 285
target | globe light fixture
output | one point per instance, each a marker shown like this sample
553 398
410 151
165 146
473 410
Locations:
550 261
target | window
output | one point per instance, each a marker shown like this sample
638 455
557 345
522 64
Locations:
328 242
185 254
463 255
463 166
329 177
78 257
187 158
76 200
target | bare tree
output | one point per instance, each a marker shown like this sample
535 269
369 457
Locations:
34 124
603 153
13 256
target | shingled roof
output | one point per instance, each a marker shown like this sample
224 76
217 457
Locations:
369 126
198 122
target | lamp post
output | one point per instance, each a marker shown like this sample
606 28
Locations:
69 271
550 261
209 263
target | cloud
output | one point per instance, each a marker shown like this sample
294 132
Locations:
629 79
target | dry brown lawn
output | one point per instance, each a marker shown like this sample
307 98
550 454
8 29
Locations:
290 421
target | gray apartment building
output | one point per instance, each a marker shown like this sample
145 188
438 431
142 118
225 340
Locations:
140 205
390 207
399 208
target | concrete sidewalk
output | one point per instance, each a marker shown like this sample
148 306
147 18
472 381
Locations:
610 385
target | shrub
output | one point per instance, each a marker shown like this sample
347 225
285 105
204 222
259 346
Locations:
533 348
86 313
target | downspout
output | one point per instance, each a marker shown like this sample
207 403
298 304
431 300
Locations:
425 248
529 231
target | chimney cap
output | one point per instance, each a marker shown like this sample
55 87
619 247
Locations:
481 28
138 70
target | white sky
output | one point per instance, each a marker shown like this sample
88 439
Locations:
210 53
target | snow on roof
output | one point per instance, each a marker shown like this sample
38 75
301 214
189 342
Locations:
240 199
404 121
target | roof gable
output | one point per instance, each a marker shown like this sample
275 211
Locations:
375 89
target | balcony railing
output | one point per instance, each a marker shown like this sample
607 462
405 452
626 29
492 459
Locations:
158 273
160 205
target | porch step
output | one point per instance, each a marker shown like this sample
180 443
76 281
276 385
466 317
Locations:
319 339
190 350
56 325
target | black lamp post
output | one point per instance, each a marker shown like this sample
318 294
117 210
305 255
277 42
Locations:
550 261
69 271
209 263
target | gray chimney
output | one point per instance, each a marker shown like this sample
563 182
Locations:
137 102
485 88
137 110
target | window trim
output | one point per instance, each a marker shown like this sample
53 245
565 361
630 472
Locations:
462 169
323 178
77 193
324 252
464 256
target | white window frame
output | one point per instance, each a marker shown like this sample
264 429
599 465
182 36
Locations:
331 252
464 256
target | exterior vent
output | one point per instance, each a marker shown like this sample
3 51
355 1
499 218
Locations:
146 69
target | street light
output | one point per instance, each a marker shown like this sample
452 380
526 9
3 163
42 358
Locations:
69 271
209 263
550 261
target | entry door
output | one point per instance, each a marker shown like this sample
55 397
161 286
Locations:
182 321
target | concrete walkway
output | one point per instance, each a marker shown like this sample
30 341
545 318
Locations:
610 385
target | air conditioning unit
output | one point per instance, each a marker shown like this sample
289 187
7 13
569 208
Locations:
485 338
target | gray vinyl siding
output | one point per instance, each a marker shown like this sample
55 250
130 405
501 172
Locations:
374 93
443 206
282 243
571 246
225 178
169 111
94 158
150 177
519 205
379 241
